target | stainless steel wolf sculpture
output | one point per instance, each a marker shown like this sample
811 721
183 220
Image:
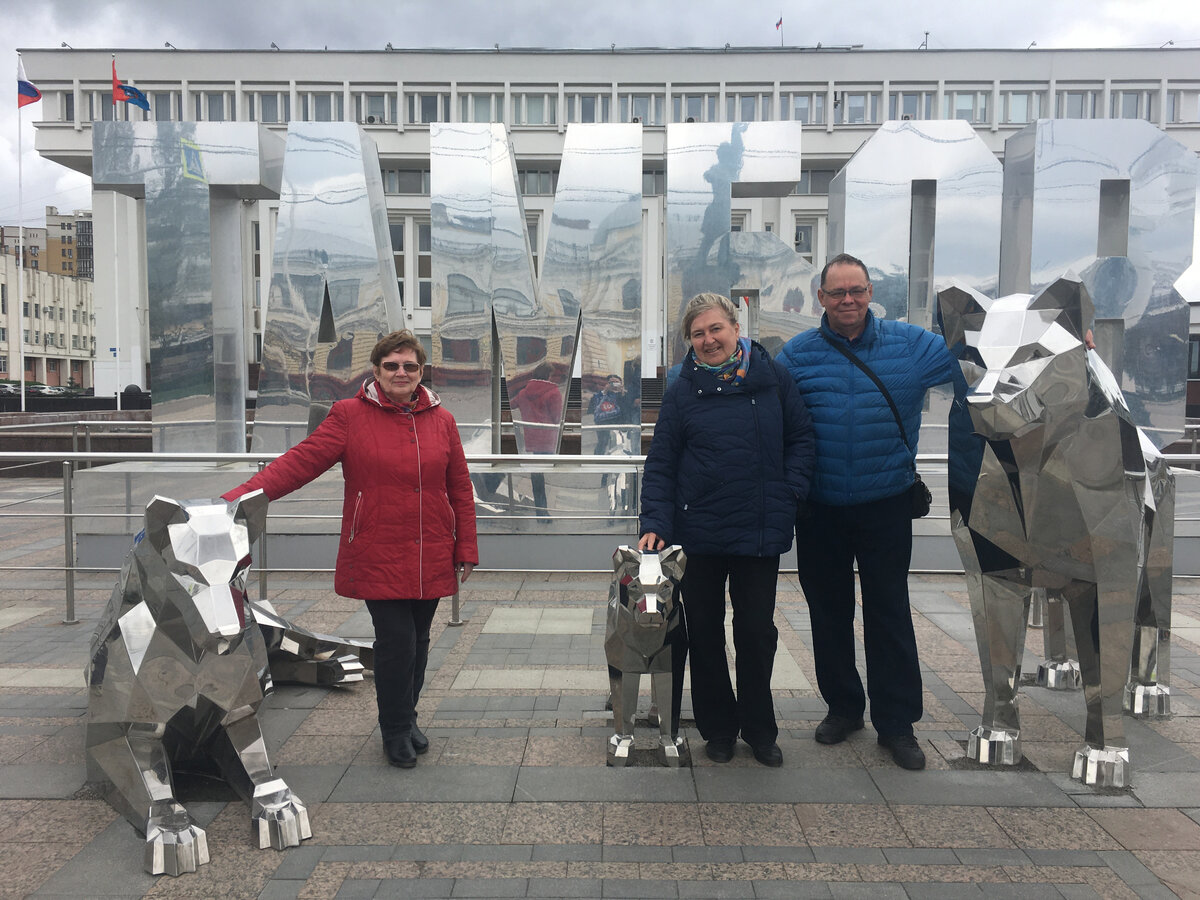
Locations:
645 634
1052 485
178 670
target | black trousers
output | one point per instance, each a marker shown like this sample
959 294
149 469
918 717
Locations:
401 652
720 714
878 535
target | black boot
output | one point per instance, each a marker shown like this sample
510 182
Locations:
420 743
400 752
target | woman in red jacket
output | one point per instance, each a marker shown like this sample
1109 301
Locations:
408 520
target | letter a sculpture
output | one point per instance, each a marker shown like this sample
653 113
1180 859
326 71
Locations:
178 671
645 634
1052 485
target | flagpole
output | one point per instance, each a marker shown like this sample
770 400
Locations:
781 28
116 263
20 255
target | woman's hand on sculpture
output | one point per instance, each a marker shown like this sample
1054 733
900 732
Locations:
464 571
651 541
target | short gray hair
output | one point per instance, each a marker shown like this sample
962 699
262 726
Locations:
702 303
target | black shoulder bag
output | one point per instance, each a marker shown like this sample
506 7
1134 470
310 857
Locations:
918 493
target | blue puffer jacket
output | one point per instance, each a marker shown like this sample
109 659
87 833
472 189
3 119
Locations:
728 465
860 456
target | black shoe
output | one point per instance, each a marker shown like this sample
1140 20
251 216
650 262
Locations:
768 754
719 750
834 729
400 751
906 752
419 741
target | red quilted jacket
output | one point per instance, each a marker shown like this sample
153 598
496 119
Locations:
409 512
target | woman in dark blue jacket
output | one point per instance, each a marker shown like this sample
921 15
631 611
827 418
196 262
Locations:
731 459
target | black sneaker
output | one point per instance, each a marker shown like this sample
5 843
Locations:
834 729
768 754
719 750
906 751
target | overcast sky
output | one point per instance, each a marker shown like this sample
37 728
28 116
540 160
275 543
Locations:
369 24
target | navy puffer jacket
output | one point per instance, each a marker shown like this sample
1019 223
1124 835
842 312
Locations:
860 455
728 464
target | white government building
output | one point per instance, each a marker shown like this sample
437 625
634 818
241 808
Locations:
841 95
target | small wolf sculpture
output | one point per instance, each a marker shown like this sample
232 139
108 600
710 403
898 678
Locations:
645 634
1056 488
178 670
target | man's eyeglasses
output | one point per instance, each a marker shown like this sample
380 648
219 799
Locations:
410 368
840 293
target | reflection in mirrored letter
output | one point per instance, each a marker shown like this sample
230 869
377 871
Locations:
1113 201
708 164
194 264
482 270
333 291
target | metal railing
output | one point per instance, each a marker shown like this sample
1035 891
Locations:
481 464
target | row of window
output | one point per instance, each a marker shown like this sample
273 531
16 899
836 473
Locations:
850 107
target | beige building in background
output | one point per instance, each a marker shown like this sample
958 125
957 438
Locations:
54 320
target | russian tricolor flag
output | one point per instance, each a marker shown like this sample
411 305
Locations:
779 24
26 91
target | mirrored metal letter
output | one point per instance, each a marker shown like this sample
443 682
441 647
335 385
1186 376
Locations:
333 291
193 176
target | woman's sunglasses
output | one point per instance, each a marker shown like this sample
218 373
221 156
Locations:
410 368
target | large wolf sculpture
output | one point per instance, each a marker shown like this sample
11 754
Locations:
1052 485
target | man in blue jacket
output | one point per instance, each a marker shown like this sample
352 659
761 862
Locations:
859 507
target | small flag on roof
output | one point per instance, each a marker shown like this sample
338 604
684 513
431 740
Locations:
27 92
127 93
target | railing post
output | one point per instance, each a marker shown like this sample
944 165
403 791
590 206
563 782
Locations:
262 553
456 611
69 542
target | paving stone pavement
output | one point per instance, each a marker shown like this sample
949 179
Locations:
514 798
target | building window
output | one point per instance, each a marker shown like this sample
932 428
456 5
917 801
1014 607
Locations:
52 365
256 240
269 107
531 225
532 108
396 229
1131 105
814 181
372 108
806 107
856 108
748 107
481 107
25 309
215 106
3 333
424 108
654 183
649 109
1193 358
74 342
424 266
165 106
4 364
697 107
1020 107
910 105
537 182
589 107
321 106
1076 104
966 106
68 106
406 181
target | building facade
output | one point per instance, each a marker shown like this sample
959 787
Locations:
840 95
51 325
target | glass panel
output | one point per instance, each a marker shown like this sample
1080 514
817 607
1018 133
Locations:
216 107
162 106
1018 108
747 109
641 107
695 108
535 109
856 109
269 104
587 108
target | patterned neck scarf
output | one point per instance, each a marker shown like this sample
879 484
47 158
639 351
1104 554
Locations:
734 369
